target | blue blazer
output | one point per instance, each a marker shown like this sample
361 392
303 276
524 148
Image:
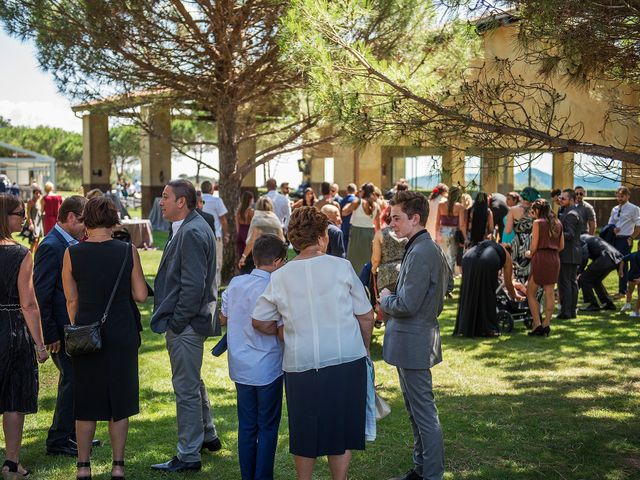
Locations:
47 280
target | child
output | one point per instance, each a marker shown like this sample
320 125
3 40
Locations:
633 280
255 362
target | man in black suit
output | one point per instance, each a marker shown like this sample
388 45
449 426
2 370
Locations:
210 219
604 259
336 243
47 281
570 256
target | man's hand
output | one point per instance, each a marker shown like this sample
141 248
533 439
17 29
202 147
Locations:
616 230
53 347
385 292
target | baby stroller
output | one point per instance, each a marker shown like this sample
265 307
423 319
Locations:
511 311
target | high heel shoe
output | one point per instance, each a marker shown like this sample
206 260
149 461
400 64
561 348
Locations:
537 332
13 468
117 463
84 465
546 331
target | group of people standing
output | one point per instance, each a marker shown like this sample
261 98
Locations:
537 249
318 339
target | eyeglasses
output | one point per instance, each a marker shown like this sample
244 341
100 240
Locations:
19 213
579 194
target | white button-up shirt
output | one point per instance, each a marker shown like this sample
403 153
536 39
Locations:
281 207
317 299
70 240
625 217
214 206
254 358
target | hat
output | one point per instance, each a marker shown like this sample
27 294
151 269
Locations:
530 194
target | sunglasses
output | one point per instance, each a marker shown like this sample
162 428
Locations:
579 194
19 213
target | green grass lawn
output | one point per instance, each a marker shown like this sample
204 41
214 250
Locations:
515 407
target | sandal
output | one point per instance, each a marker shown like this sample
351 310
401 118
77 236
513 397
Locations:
117 463
13 468
84 465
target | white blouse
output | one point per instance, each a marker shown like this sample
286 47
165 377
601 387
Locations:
317 299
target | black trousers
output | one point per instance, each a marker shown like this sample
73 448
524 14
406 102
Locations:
592 279
568 289
63 426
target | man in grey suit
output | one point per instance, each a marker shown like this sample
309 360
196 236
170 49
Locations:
184 302
412 333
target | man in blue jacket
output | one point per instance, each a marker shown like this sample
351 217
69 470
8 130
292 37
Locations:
53 310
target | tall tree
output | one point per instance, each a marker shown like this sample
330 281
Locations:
213 59
124 145
435 89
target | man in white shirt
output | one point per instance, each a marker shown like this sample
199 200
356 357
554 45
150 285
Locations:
281 206
626 218
215 206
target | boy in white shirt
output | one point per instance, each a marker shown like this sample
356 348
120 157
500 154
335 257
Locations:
255 362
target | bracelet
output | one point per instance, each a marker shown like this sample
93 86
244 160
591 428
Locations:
43 349
243 256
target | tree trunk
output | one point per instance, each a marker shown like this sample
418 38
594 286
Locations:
230 180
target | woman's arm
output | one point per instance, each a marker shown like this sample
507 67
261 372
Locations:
29 306
535 233
489 223
508 276
376 252
438 223
508 228
70 288
462 220
561 243
255 233
350 207
297 204
366 328
139 289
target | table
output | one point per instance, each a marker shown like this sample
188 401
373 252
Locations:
140 231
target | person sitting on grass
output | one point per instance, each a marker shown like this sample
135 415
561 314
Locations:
255 362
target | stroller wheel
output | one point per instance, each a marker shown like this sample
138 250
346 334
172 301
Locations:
505 321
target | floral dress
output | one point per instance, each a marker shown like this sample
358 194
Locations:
520 244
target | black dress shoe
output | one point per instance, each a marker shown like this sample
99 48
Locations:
609 306
177 465
68 450
561 316
213 446
410 475
591 308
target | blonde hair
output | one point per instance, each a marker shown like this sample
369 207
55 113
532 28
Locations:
264 204
48 187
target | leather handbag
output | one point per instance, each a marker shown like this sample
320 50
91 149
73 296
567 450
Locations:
83 339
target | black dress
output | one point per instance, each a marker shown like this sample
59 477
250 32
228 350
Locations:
18 365
477 307
106 382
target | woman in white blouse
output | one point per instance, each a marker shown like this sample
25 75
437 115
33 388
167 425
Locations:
327 323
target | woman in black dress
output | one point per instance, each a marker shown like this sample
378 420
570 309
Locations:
19 331
106 382
481 266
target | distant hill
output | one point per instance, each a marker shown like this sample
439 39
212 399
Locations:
539 179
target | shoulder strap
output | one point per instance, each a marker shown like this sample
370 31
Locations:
115 287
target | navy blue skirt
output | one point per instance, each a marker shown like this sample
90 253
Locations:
327 409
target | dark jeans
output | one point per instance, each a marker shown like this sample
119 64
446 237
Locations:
622 245
63 425
259 411
592 279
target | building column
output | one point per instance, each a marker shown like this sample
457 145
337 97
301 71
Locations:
489 172
453 167
343 165
369 162
562 170
506 178
155 153
96 157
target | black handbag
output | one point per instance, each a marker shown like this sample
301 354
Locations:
83 339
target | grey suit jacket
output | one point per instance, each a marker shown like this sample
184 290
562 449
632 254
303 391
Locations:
412 333
185 287
571 228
